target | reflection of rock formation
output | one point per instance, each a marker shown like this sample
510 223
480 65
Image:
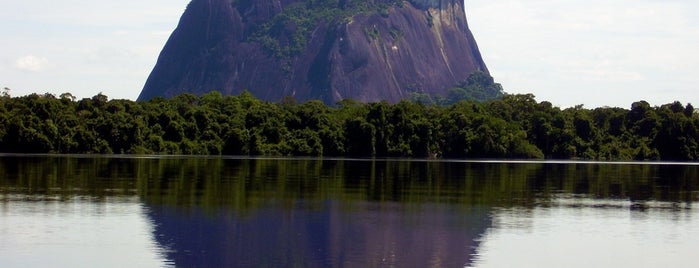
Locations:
218 212
331 234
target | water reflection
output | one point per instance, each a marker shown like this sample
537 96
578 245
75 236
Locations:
306 212
52 231
309 214
590 236
367 235
381 213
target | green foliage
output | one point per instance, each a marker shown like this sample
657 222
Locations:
287 34
514 126
372 33
479 86
396 33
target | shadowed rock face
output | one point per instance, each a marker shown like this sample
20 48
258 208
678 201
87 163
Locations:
382 54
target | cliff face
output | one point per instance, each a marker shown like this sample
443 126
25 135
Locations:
322 49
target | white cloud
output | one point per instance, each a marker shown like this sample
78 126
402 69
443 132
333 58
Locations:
32 63
570 51
594 52
100 46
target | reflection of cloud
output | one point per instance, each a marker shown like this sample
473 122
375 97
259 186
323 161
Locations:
32 63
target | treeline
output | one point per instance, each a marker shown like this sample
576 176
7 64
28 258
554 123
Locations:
515 126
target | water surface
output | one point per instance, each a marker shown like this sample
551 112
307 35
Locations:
216 212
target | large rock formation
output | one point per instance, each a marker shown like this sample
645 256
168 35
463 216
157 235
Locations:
317 49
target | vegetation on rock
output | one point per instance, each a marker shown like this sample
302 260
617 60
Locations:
288 33
479 86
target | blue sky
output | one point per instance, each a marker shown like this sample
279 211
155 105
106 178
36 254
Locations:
569 52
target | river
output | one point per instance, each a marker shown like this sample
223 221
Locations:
124 211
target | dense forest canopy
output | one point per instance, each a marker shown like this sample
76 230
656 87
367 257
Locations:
514 126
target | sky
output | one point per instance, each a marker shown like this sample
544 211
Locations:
568 52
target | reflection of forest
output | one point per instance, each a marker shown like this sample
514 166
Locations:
220 211
247 184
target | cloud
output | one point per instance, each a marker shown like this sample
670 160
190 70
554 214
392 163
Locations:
31 63
562 51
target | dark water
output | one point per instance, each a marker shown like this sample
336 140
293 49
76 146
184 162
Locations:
225 212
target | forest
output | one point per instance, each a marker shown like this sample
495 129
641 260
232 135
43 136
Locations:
511 127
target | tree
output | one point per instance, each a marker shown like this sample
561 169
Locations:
689 110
